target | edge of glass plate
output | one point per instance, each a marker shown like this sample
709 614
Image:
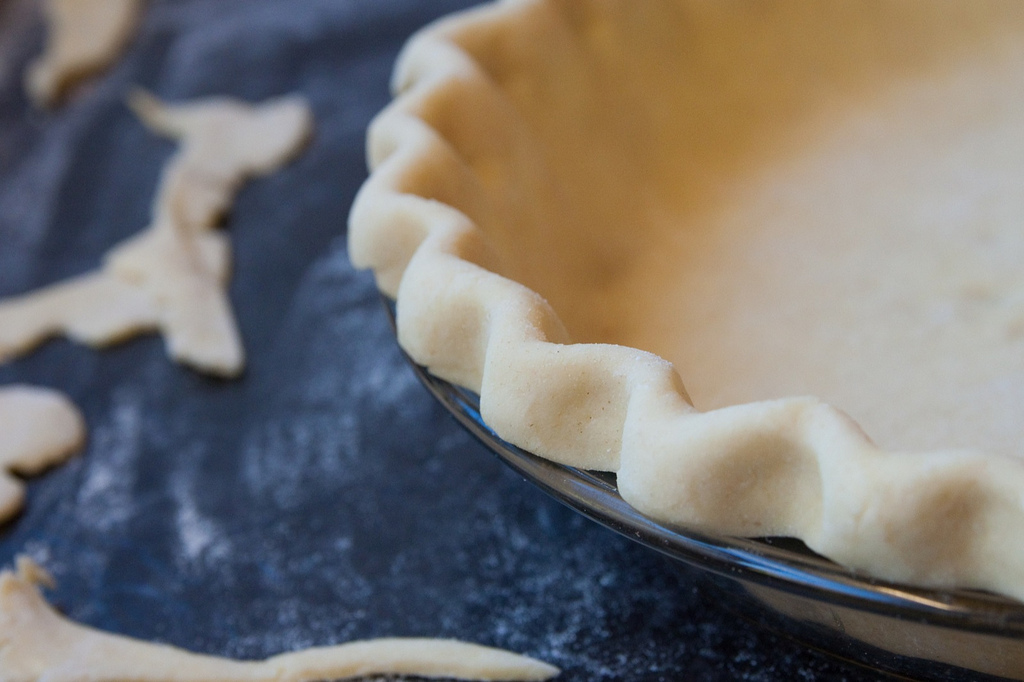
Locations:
779 564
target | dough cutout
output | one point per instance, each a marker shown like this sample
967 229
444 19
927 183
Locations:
39 427
172 276
37 644
85 36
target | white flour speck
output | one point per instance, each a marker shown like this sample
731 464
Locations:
105 499
198 535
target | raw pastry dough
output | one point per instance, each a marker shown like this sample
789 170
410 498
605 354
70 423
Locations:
173 275
672 174
85 36
39 645
39 427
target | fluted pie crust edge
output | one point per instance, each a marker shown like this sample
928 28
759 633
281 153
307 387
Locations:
791 467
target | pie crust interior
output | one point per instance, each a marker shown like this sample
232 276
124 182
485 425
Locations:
645 231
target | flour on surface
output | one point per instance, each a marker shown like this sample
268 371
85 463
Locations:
105 499
200 536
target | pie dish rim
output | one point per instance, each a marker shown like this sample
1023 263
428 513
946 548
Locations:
396 232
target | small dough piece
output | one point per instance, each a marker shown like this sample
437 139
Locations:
85 36
172 276
96 309
39 427
37 644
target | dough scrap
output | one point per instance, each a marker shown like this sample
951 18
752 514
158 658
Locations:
537 150
39 645
39 427
85 36
172 276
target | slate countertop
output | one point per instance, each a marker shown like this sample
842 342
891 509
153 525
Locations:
324 496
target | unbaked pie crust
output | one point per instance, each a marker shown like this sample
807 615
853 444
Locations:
782 199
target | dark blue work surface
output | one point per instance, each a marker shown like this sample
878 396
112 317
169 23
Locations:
324 496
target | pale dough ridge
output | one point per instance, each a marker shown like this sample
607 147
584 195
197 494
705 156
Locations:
173 275
39 645
84 37
39 428
460 177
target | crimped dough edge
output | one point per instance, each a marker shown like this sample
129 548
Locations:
794 467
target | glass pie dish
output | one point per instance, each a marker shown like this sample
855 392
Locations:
715 251
782 585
